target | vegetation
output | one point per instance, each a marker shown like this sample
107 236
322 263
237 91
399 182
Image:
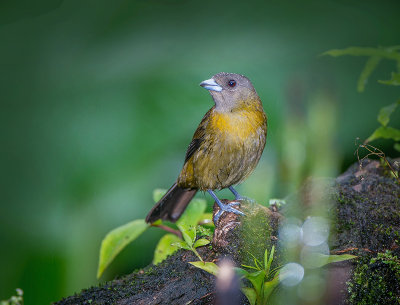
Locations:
376 280
15 299
375 56
186 238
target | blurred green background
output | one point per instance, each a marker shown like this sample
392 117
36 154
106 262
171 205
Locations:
99 101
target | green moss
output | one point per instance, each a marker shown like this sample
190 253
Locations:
255 234
376 280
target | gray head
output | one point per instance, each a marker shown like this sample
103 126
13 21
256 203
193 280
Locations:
230 90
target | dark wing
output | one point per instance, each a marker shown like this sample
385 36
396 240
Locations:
198 136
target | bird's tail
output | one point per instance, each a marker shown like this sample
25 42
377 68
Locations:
172 204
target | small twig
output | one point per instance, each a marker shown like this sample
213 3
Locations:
168 229
207 295
352 249
374 151
202 297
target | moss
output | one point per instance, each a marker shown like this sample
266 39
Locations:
255 234
376 280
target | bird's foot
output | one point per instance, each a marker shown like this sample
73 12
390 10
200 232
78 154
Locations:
237 195
247 199
227 208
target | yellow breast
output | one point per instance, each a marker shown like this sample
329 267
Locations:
240 124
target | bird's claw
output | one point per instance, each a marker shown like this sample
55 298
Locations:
227 208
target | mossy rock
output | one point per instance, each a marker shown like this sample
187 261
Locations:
364 203
375 280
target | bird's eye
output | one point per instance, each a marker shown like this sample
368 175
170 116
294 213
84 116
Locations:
232 83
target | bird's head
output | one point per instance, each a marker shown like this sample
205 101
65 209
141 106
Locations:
230 91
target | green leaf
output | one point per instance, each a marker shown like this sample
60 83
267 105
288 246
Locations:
397 146
268 263
189 219
354 51
241 272
182 245
369 67
266 260
116 240
250 294
339 258
394 81
157 222
385 133
165 248
388 52
158 194
257 263
201 242
385 113
251 267
193 213
257 279
320 260
269 287
206 220
188 234
277 202
206 266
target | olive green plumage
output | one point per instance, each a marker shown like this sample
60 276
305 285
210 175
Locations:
225 148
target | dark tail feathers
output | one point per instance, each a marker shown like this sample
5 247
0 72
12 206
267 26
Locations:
172 204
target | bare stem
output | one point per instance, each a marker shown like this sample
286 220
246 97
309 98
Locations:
374 151
168 229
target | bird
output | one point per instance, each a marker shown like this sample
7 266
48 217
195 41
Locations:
224 151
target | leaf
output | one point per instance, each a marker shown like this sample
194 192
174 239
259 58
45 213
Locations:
158 193
257 279
270 286
207 266
267 266
182 245
397 146
116 240
385 113
157 222
339 258
355 51
277 202
387 52
188 234
250 294
369 67
257 263
206 220
189 219
394 81
165 248
201 242
241 272
251 267
385 133
320 260
265 259
193 213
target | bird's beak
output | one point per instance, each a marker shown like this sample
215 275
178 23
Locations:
210 84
